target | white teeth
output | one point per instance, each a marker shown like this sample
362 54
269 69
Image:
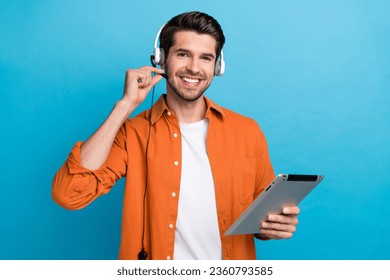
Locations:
192 81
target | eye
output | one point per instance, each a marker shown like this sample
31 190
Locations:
207 58
182 54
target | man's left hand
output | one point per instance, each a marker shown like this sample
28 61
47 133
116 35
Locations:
280 226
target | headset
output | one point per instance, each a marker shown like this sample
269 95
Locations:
158 56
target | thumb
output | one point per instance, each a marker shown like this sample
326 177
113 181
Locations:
154 81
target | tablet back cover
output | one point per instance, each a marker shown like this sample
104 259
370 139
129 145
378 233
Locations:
285 190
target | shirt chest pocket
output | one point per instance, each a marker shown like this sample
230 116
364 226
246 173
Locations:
244 179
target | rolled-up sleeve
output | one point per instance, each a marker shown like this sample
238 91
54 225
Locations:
75 186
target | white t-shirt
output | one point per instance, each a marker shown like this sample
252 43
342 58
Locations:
197 232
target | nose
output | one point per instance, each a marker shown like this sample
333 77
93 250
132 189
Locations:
193 66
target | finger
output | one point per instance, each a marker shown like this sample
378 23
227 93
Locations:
291 210
135 75
284 219
154 80
274 234
278 227
145 70
152 69
143 78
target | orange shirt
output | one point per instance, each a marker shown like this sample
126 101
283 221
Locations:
239 161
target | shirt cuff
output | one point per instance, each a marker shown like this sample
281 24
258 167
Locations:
75 166
73 161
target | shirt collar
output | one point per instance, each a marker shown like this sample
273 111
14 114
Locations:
161 106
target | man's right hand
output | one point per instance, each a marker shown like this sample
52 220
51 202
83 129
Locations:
95 150
138 83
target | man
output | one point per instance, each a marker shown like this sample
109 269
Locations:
191 166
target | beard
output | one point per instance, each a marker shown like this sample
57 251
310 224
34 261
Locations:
187 94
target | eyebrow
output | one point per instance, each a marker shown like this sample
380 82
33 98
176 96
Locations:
188 51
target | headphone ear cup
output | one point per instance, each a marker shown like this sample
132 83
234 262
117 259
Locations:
219 67
156 56
159 56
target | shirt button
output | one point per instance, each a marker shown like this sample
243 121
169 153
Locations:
168 258
173 194
176 163
175 135
169 113
170 226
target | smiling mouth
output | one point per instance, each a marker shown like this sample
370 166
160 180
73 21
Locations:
191 81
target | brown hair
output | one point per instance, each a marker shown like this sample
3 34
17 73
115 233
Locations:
192 21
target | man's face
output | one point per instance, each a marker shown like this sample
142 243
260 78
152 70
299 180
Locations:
190 64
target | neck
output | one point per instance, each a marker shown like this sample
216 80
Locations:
187 111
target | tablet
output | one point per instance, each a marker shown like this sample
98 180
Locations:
285 190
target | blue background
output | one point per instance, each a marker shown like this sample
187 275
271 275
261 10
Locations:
314 74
